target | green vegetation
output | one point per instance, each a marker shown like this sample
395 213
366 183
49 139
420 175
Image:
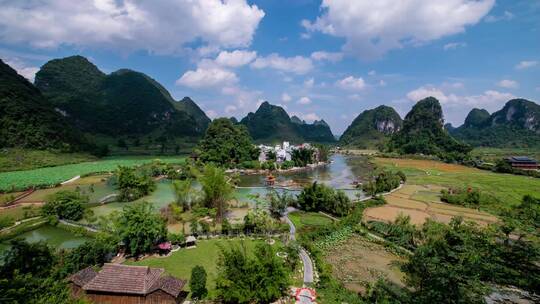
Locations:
372 128
133 183
197 283
505 189
384 181
319 197
33 273
216 188
305 221
28 120
423 133
271 123
245 278
226 144
302 157
206 254
15 159
516 125
51 176
65 205
122 105
140 228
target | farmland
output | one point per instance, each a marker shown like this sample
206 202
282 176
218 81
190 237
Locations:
422 203
359 262
50 176
506 189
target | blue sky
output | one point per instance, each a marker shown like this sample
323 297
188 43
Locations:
326 59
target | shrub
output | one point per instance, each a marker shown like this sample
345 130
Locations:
197 283
65 205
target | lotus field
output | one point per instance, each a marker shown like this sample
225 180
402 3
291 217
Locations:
51 176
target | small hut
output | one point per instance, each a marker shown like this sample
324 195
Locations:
191 242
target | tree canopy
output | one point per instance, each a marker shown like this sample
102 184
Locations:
226 144
65 204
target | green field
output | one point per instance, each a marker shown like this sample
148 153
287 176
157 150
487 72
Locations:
493 154
206 254
50 176
304 221
14 159
507 189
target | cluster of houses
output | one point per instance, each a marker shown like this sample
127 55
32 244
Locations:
283 152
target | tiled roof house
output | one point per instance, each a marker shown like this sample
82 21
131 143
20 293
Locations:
125 284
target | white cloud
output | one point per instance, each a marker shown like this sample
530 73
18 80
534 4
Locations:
297 64
329 56
309 83
488 98
508 84
526 64
454 45
25 70
351 83
372 73
382 83
205 77
304 100
506 16
164 26
371 28
285 97
235 58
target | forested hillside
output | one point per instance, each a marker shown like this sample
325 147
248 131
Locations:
29 120
272 123
124 104
516 125
372 128
423 133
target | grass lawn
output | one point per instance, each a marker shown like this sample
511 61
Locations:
206 254
507 189
54 175
305 221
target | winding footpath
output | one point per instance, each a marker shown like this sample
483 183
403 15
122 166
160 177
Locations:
306 260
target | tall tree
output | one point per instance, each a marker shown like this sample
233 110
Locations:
226 144
197 283
65 205
216 188
140 228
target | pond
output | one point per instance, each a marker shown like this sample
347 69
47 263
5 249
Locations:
341 173
54 236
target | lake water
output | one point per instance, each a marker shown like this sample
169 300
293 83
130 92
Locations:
54 236
340 174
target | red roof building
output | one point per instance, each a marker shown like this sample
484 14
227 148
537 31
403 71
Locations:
116 283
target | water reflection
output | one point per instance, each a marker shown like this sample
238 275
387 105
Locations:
341 173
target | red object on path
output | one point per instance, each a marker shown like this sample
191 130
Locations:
304 293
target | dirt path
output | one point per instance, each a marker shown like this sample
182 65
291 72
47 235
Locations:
304 256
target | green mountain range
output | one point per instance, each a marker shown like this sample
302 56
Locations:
271 123
29 120
423 133
516 125
124 103
372 128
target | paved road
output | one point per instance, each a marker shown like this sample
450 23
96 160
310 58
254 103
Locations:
306 260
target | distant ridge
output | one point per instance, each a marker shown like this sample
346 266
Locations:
272 123
516 125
